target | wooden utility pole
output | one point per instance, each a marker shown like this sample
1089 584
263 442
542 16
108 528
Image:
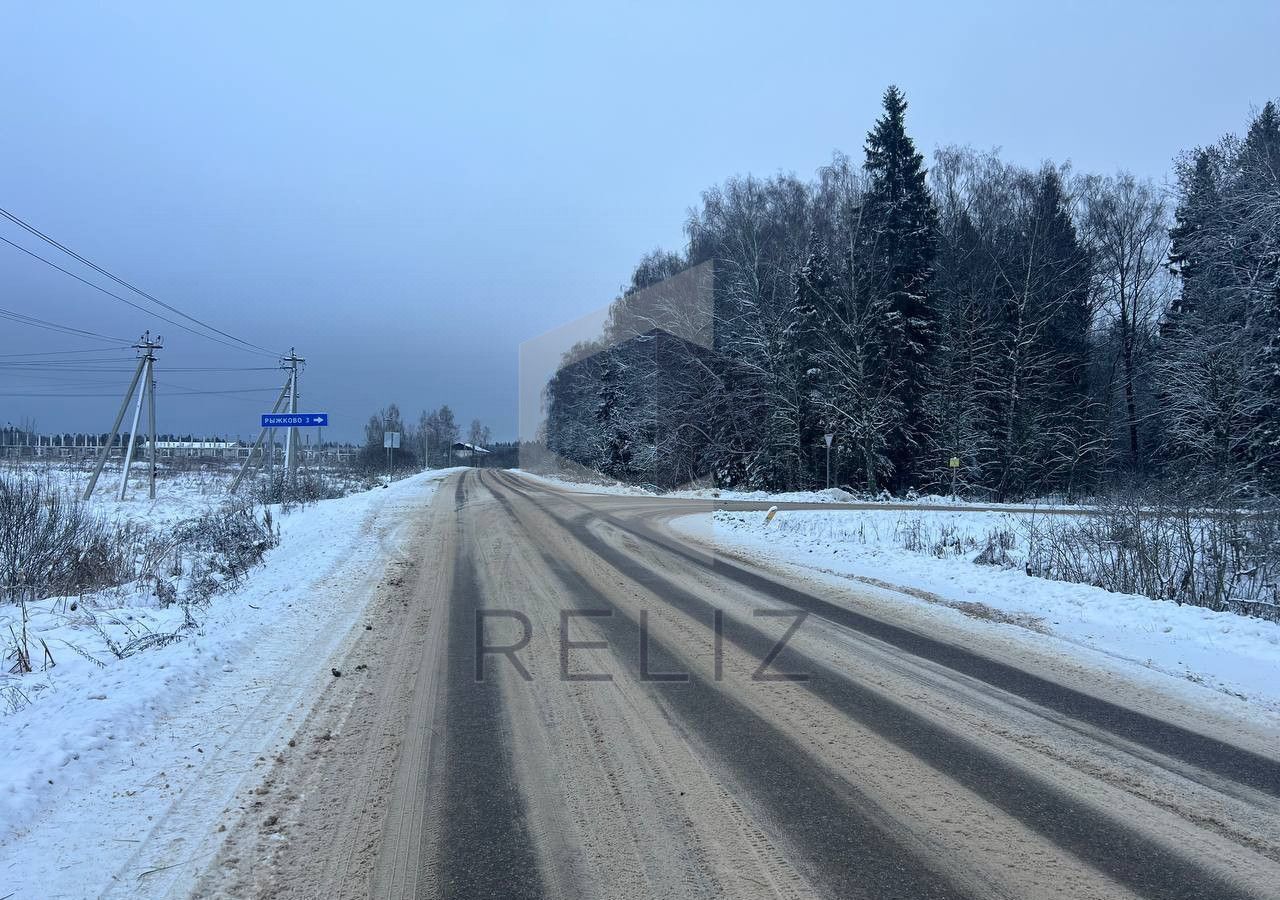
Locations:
145 373
291 363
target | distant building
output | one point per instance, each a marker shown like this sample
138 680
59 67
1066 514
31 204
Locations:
194 448
462 449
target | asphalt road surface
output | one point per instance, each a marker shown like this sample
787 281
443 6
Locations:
647 738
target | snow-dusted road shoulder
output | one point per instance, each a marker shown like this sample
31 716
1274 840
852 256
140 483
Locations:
116 782
1214 661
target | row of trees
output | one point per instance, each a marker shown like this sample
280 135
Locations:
1055 332
427 443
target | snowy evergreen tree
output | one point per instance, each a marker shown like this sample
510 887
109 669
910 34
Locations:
1220 333
1194 234
1265 437
958 409
898 248
1257 208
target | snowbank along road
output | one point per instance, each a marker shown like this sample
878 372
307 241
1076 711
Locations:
559 698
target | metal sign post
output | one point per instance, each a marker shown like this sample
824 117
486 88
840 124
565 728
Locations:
391 440
828 437
955 467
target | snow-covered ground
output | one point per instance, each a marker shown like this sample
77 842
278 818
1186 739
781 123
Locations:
96 749
179 495
832 495
829 495
1222 660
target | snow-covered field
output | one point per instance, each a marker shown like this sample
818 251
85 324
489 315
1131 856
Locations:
179 495
926 559
96 748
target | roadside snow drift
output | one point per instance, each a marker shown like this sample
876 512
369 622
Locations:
1219 659
98 747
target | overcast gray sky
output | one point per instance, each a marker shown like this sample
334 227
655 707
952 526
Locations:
406 191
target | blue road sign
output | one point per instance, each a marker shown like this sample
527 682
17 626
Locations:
295 420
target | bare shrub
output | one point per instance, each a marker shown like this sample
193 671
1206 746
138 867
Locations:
137 643
225 544
55 545
916 535
912 534
305 487
952 542
1170 544
995 550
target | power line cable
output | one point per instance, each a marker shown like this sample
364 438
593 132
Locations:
24 319
127 302
120 281
25 359
222 368
40 353
47 394
183 389
113 365
226 393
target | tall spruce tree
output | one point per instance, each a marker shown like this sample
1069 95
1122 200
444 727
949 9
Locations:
959 416
1038 375
1258 201
1064 294
1203 346
1263 139
1192 235
899 246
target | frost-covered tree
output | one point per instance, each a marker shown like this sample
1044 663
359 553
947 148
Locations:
755 232
1128 236
1219 351
861 383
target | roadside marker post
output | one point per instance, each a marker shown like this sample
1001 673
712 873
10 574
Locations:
828 437
390 440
